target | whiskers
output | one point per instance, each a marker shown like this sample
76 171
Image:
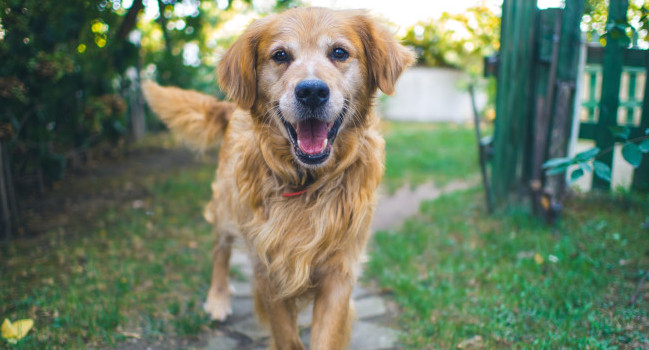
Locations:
355 117
267 118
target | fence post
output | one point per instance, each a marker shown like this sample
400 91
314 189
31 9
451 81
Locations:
609 103
641 174
563 105
512 125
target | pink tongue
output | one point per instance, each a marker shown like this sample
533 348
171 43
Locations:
311 135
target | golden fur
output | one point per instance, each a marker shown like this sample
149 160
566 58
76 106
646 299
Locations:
310 244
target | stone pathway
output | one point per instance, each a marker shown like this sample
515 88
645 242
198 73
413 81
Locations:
375 327
393 210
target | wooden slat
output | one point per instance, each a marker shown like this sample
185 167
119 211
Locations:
567 75
630 57
544 79
641 174
612 72
587 130
513 96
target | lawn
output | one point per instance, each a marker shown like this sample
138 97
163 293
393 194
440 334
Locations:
510 282
140 268
420 152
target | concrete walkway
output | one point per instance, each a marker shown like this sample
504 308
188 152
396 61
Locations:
375 327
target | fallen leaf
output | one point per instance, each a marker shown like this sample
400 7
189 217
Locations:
131 335
13 332
471 343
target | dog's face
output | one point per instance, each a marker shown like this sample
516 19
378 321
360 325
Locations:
312 72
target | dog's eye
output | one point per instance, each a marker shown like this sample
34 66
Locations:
280 56
339 54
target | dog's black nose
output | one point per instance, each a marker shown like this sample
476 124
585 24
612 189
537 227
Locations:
312 93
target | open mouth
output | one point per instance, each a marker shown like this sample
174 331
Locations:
312 138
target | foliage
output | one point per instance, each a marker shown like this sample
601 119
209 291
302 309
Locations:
70 70
457 40
56 68
512 282
585 161
595 22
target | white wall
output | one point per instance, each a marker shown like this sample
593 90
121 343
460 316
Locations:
430 94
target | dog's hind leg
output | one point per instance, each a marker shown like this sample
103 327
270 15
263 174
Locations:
217 304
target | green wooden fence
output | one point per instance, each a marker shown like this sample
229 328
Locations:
627 111
537 78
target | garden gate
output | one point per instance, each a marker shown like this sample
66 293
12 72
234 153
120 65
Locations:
538 70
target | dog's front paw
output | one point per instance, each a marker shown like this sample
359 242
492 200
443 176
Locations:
218 306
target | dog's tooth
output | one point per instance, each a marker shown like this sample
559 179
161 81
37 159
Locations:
298 144
324 143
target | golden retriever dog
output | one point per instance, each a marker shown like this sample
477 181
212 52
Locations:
300 161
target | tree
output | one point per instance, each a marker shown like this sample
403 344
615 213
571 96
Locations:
69 68
456 40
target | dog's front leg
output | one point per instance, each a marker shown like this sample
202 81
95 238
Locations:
332 315
280 314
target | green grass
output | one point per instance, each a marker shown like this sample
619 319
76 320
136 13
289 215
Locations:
420 152
515 282
131 270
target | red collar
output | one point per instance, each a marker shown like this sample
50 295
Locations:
303 181
293 194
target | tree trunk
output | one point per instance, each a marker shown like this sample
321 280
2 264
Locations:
129 20
4 202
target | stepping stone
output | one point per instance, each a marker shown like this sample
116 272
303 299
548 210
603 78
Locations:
359 292
365 336
221 342
367 307
241 289
241 307
251 328
305 316
370 307
368 336
239 257
240 261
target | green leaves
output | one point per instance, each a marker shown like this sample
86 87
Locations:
587 155
632 151
575 175
632 154
602 170
557 166
555 162
617 31
644 146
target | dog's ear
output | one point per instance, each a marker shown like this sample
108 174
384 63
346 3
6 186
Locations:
386 57
237 73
